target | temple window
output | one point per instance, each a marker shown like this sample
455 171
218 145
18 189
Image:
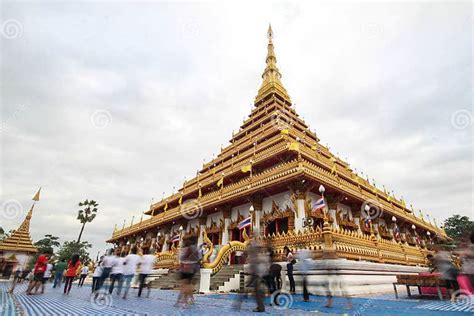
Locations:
237 234
214 238
279 225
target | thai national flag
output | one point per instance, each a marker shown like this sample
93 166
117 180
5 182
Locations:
367 222
319 204
245 223
175 238
396 232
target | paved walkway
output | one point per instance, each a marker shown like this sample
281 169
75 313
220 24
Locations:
79 302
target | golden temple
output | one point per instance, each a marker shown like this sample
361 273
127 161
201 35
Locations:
273 170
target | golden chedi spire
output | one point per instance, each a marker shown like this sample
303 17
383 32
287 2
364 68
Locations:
20 239
271 76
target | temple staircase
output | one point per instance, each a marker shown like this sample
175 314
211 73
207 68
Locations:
225 274
171 281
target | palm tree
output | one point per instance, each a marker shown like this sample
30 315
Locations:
87 214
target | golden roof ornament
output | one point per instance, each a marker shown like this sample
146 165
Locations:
271 76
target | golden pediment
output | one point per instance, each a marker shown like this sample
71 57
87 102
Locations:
276 213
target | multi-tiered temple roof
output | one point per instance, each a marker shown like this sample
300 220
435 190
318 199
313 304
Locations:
20 239
272 148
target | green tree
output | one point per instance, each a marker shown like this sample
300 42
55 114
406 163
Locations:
86 214
458 226
49 242
72 247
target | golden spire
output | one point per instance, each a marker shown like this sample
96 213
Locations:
20 239
271 75
25 226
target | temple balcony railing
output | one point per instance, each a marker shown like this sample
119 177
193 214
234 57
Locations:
348 244
353 245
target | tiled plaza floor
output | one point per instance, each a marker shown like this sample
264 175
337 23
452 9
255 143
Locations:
161 302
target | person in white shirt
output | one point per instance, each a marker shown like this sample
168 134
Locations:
47 276
97 275
107 263
146 267
117 272
129 269
84 272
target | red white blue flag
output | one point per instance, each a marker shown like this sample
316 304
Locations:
396 232
245 223
319 204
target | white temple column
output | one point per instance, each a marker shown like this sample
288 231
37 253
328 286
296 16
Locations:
226 213
299 214
332 215
181 234
256 205
202 228
165 243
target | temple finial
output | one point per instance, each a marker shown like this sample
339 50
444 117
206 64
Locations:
270 32
271 75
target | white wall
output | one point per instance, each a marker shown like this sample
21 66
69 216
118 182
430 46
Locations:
216 217
242 210
281 199
21 257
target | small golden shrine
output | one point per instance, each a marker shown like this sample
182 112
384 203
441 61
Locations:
20 239
17 248
274 170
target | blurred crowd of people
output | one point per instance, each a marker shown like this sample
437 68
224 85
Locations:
263 271
455 265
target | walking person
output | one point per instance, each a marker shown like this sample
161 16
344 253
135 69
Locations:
259 262
16 278
97 275
59 268
274 274
448 270
290 259
107 263
40 268
129 270
467 259
146 267
47 276
71 272
83 276
189 264
117 272
304 263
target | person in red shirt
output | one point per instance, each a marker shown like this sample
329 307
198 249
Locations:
40 268
72 267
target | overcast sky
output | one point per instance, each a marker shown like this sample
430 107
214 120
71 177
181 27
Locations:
119 101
